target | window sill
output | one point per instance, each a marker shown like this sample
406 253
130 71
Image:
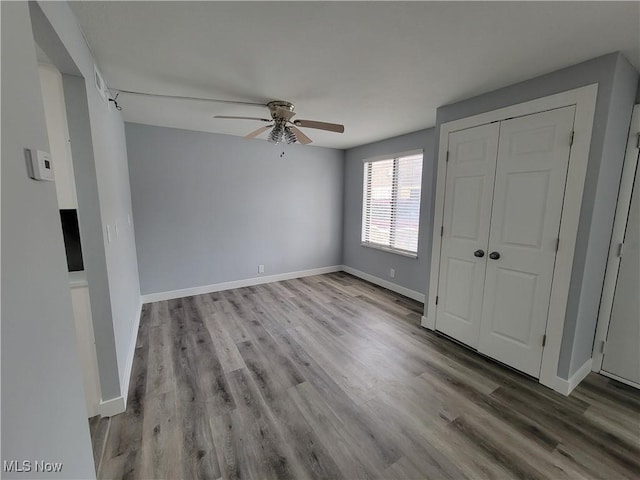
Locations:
402 253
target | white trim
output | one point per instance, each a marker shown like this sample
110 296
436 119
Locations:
565 387
124 381
620 379
430 307
248 282
428 322
585 102
83 322
617 237
394 287
392 156
78 279
113 406
584 99
395 251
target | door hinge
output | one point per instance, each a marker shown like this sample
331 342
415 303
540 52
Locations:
602 346
437 299
620 249
557 244
571 138
638 145
544 339
447 159
442 230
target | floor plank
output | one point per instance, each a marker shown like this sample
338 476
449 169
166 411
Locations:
333 377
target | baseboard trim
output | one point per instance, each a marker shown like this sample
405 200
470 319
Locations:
248 282
619 379
386 284
113 406
218 287
428 322
565 387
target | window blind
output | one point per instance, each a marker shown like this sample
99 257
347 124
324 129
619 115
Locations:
391 203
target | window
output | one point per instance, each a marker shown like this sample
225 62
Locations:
391 203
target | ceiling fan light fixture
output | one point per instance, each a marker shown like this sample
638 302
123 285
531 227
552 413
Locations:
276 134
289 135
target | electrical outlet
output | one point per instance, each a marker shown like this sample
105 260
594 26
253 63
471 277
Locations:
392 273
260 268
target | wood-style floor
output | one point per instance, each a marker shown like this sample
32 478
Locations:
332 377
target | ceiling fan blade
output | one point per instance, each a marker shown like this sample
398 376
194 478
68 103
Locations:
332 127
242 118
284 113
257 132
182 97
301 137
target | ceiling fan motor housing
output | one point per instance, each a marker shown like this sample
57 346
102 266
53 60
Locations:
279 104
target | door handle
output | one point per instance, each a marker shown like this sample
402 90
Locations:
478 253
494 255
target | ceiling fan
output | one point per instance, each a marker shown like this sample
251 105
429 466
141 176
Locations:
282 127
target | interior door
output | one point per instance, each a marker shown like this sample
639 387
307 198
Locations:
533 158
467 214
622 355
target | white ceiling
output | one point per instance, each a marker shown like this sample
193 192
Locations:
380 68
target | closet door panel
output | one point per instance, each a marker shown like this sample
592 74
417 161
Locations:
467 213
622 357
533 158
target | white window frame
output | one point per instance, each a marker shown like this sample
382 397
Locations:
395 157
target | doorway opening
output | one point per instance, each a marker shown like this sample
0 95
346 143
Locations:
51 83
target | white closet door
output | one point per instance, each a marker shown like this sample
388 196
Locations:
622 356
467 215
533 157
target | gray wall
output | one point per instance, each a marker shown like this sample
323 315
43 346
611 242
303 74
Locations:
210 208
43 411
102 180
623 92
411 273
617 87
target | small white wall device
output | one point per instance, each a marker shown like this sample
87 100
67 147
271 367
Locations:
39 166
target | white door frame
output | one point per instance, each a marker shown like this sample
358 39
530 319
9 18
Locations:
584 99
617 237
